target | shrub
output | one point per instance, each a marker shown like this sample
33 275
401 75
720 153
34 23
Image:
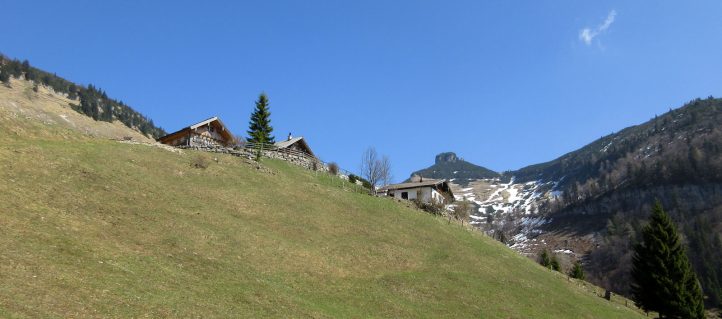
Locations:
544 259
4 77
434 207
555 264
333 168
353 178
577 272
200 161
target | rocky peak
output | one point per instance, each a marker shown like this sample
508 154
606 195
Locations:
448 157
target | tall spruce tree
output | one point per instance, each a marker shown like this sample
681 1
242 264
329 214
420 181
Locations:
259 128
662 278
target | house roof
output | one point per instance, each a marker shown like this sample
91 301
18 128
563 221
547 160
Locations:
427 182
201 123
299 139
287 143
440 184
223 130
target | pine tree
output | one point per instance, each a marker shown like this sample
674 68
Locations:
577 272
259 128
25 66
4 77
662 278
502 237
705 252
544 259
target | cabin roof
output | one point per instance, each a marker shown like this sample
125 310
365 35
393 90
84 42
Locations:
201 123
217 122
300 140
426 182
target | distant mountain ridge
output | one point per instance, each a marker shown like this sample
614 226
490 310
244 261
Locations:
692 128
591 203
449 166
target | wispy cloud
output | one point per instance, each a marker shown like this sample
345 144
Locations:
588 34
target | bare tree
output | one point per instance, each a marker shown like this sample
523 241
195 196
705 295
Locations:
238 141
370 167
461 211
385 168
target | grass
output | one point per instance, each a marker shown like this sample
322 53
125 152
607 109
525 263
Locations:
96 228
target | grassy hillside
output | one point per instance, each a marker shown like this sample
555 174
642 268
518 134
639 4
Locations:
96 228
20 101
88 100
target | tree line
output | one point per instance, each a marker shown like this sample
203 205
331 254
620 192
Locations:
662 278
92 101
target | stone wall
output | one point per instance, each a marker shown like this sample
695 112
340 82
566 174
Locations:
303 161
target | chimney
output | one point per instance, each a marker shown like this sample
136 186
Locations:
290 136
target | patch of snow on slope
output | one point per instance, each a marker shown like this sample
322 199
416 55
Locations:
513 208
607 147
512 195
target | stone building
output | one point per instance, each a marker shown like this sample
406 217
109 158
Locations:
209 133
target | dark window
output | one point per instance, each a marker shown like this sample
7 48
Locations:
405 195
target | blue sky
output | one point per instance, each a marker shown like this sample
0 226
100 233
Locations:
504 84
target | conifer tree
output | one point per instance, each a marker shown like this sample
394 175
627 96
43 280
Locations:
502 237
705 253
577 272
4 77
544 259
259 128
662 278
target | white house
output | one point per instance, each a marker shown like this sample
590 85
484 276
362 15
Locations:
425 190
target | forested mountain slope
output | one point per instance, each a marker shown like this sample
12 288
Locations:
606 190
591 204
88 100
23 100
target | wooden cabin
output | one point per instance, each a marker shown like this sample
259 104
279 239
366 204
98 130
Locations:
209 133
295 145
424 190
